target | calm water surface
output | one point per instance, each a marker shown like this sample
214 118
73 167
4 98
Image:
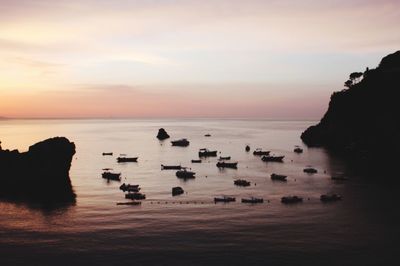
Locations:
190 229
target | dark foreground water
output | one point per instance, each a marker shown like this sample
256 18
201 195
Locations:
190 229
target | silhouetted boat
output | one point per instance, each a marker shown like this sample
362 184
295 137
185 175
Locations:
207 135
127 159
278 177
291 199
128 187
171 167
260 152
252 200
180 142
111 176
247 148
107 153
227 165
221 158
339 178
130 203
207 153
185 174
224 199
242 183
310 170
177 191
135 196
162 134
196 161
332 197
297 149
270 158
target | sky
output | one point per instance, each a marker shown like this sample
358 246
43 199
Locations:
160 58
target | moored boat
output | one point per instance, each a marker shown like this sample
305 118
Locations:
247 148
135 196
328 198
207 153
227 165
242 183
107 153
252 200
177 191
196 161
180 142
297 149
310 170
224 199
270 158
222 158
128 187
111 176
185 174
129 203
278 177
291 199
260 152
207 135
171 167
127 159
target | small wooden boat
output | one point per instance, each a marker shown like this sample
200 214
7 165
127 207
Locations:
297 149
241 182
207 153
207 135
224 199
129 203
278 177
329 198
180 143
135 196
252 200
196 161
171 167
260 152
222 158
270 158
177 191
130 188
111 176
227 165
310 170
291 199
107 153
127 159
185 174
247 149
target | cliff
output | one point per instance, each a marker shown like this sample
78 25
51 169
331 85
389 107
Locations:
41 173
363 121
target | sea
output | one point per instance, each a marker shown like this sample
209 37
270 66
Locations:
191 229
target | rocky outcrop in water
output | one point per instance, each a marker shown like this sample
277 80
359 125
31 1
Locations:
41 173
363 121
162 134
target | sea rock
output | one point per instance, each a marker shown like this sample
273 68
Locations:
363 121
41 173
162 134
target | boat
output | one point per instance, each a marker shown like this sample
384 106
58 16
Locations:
252 200
107 153
328 198
224 199
260 152
128 187
278 177
196 161
207 135
297 149
135 196
291 199
127 159
221 158
111 176
310 170
171 167
227 165
242 183
177 191
247 149
129 203
180 143
185 174
207 153
270 158
339 178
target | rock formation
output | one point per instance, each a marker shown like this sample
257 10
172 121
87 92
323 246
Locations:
41 173
162 134
363 121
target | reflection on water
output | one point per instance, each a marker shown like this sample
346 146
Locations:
190 228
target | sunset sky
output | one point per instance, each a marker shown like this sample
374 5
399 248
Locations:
160 58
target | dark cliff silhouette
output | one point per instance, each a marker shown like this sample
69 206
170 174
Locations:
363 121
162 134
41 173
